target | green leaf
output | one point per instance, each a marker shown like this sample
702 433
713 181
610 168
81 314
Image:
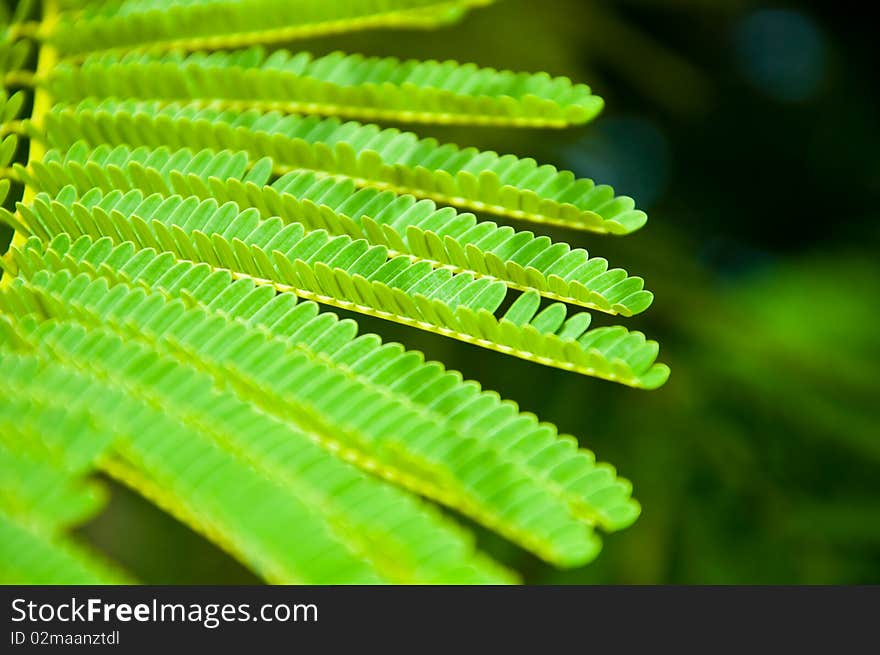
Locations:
369 156
349 274
403 224
578 478
336 84
180 24
213 469
31 558
180 233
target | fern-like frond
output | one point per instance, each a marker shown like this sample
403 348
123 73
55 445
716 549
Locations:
45 458
30 557
366 154
181 232
468 425
211 459
207 24
41 475
403 224
337 84
440 395
351 274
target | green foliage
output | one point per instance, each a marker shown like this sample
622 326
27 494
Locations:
352 275
179 235
368 155
197 24
402 223
42 458
336 84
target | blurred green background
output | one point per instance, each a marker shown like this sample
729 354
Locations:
749 131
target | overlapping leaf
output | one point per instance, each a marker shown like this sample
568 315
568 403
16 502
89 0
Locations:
351 274
465 456
368 155
198 24
254 483
158 325
403 224
44 458
336 84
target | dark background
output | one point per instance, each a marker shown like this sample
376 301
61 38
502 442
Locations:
749 131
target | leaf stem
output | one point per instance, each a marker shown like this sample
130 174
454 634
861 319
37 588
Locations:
33 29
46 59
12 127
23 78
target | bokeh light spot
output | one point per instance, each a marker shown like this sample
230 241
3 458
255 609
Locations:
782 52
